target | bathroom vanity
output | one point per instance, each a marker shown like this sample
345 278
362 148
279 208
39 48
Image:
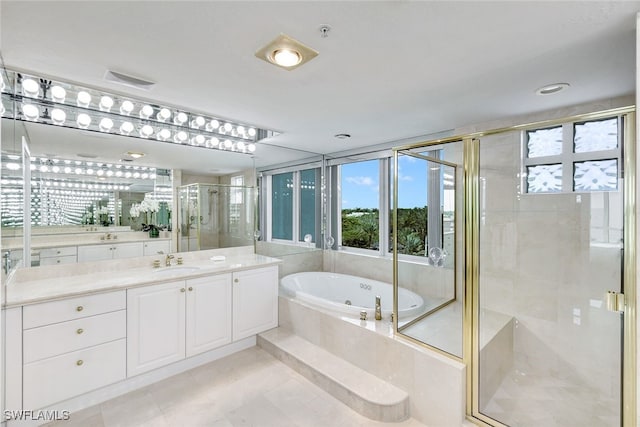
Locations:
114 326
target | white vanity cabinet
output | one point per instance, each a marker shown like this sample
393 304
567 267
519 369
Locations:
62 255
171 321
255 301
107 251
72 346
156 247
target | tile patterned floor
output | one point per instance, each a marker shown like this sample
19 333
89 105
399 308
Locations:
249 388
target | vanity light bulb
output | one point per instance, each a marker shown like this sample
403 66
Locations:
44 168
109 173
228 143
106 102
100 172
146 131
198 122
83 99
180 119
30 88
251 148
55 169
31 112
144 176
58 116
152 176
180 137
58 94
164 114
127 175
252 132
78 171
228 127
164 134
146 111
199 139
13 166
241 130
83 120
126 108
136 174
126 128
240 145
106 124
89 171
67 170
214 141
118 173
213 125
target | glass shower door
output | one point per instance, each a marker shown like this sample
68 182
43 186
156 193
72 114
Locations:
550 247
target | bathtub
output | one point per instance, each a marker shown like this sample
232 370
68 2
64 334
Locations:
349 295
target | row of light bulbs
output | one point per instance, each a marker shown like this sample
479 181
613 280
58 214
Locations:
58 103
62 184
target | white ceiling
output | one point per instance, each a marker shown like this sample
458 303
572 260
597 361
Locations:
388 70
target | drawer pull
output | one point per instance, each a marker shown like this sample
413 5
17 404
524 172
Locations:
79 331
79 362
58 252
182 289
236 280
190 288
79 308
58 261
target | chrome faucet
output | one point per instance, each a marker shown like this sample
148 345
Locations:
378 308
167 260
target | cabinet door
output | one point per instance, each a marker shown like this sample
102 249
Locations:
127 250
255 301
208 313
156 247
95 252
155 326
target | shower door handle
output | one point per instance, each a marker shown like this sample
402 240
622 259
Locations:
615 301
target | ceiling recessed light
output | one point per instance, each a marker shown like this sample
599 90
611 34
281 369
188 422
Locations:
552 88
286 52
342 135
86 156
135 154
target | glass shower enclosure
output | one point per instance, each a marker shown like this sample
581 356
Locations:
212 216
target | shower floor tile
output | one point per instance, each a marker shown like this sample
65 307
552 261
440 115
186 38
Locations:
249 388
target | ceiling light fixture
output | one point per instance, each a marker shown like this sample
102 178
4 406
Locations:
342 136
99 111
552 88
286 52
134 154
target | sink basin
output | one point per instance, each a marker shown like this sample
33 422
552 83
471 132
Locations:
170 271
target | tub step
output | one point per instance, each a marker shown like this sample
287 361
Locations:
356 388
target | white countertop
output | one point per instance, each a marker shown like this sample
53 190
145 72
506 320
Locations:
45 285
64 241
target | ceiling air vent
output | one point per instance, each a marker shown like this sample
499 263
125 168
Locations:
130 81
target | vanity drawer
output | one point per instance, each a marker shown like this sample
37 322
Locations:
47 313
58 378
65 251
52 340
70 259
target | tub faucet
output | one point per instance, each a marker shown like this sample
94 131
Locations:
167 260
378 308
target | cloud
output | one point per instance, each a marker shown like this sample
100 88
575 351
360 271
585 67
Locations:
360 180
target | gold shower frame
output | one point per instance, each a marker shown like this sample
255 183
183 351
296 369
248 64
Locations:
471 230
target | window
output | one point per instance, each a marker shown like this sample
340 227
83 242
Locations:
236 196
578 157
360 202
294 199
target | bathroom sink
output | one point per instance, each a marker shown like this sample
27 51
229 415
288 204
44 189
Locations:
170 271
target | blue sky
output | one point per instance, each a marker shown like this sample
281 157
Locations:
360 184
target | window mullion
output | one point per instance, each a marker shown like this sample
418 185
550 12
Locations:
296 207
383 208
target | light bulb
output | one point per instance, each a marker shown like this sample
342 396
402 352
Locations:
30 111
240 145
58 116
199 139
44 168
252 132
164 114
109 173
127 175
58 94
136 174
240 130
55 169
67 170
152 176
126 128
286 57
251 148
83 99
146 131
214 141
198 122
118 173
13 166
180 119
164 134
105 124
126 107
180 137
213 125
228 127
100 172
144 176
83 120
228 143
89 171
106 102
78 171
146 111
30 88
